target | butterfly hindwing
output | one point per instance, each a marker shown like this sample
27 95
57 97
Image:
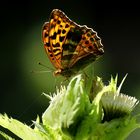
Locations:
90 44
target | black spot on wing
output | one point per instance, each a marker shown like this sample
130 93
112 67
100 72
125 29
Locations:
90 47
59 31
91 39
54 20
66 26
74 35
84 38
87 42
63 31
48 44
56 45
46 35
61 38
53 36
58 22
51 55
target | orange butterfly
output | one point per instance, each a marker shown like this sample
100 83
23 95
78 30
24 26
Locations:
69 46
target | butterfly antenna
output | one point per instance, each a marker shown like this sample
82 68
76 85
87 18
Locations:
51 69
42 71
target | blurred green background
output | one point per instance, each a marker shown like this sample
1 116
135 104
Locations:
21 48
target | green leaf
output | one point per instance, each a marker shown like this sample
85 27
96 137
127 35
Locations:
21 130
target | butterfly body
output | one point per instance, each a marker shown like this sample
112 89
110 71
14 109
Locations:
69 46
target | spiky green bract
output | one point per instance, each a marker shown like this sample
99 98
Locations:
116 104
68 106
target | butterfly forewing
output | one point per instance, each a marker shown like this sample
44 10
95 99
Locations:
59 28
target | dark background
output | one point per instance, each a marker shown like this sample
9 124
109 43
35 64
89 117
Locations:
21 47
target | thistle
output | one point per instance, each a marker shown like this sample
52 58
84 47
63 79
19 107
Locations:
77 113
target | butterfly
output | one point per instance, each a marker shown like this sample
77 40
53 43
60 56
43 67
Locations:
69 46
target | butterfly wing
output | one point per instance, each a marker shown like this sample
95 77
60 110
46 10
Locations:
89 45
79 41
68 44
47 45
54 36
